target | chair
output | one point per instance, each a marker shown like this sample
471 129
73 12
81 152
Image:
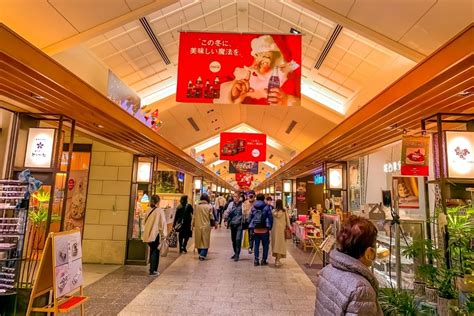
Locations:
315 250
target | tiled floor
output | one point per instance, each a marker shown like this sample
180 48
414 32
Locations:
220 286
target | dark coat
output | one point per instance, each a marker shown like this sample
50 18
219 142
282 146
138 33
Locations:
267 214
184 215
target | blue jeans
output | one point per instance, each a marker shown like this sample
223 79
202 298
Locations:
265 239
203 252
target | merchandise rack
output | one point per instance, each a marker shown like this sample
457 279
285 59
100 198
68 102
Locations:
13 218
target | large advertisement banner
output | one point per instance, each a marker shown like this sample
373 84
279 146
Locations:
243 167
460 154
243 147
235 68
415 153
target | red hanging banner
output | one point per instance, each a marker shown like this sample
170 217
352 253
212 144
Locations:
236 68
243 147
415 153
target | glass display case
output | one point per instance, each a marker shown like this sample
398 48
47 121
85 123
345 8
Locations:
385 264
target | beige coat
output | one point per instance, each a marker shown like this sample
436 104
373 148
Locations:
281 220
155 225
202 225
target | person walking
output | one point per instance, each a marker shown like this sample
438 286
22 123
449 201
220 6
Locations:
183 219
247 210
281 221
220 203
261 221
234 221
203 215
155 226
347 286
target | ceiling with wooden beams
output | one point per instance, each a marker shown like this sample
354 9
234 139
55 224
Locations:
32 79
443 83
379 42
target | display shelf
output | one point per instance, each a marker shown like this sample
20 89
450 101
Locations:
13 220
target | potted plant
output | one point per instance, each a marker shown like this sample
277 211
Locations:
427 272
447 295
415 252
461 235
397 302
467 308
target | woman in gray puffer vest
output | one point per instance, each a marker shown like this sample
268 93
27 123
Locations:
346 286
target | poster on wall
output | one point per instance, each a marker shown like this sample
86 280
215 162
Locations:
460 154
169 181
39 148
407 191
243 147
301 192
68 262
76 199
243 167
236 68
415 153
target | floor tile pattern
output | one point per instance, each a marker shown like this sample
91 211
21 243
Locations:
220 286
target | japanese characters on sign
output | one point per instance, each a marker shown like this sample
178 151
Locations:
39 148
239 68
243 147
243 167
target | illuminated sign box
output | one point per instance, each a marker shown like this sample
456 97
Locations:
39 148
318 179
144 172
335 178
460 154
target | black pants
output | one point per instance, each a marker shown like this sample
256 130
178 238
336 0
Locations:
183 240
221 214
154 254
236 235
251 238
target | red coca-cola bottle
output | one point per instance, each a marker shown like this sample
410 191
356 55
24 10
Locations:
189 91
217 88
274 81
206 89
198 92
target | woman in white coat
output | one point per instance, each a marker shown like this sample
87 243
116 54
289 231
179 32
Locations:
155 226
203 214
281 221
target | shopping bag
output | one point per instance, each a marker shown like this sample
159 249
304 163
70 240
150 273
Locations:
172 239
246 242
163 248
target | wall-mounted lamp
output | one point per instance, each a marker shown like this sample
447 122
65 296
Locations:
335 178
287 186
197 184
272 189
144 171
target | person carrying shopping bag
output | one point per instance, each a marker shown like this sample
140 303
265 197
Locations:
155 226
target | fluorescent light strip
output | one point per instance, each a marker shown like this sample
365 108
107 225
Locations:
268 163
321 97
159 95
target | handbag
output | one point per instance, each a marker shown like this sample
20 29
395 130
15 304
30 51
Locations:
288 233
172 239
211 218
163 248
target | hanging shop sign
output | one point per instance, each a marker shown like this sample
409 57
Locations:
335 178
236 68
119 93
243 167
460 154
39 148
301 192
243 147
144 171
415 153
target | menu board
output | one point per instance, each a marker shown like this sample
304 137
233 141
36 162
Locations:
67 259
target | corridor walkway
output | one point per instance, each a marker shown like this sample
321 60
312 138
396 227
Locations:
220 286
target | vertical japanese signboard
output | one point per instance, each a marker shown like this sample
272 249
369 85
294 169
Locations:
229 68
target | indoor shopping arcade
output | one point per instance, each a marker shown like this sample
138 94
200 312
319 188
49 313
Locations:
237 157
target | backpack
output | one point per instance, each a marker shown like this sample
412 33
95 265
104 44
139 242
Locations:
259 219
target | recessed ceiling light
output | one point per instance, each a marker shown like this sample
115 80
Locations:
294 31
98 125
465 93
36 96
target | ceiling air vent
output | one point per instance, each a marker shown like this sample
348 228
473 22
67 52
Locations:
215 155
193 124
328 46
154 40
290 127
271 156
